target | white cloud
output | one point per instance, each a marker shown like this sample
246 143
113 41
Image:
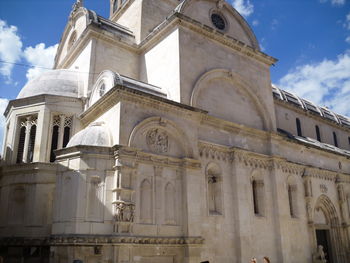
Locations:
41 57
255 22
3 105
244 7
334 2
10 48
347 40
338 2
347 21
325 83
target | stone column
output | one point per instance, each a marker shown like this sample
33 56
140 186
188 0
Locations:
123 192
26 139
43 128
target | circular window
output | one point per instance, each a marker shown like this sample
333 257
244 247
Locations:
102 90
218 21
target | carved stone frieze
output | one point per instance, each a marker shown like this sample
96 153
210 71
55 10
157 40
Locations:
253 160
288 167
99 239
215 152
321 174
69 240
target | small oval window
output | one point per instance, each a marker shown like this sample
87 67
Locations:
218 21
102 90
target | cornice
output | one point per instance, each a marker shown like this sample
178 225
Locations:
232 127
37 100
177 18
83 150
29 168
121 93
94 32
263 161
134 154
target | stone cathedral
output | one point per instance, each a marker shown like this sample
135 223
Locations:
159 138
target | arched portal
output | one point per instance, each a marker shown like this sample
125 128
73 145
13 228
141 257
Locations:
328 231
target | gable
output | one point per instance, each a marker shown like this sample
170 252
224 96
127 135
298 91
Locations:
221 16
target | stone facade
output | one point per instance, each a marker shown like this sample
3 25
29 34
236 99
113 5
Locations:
158 137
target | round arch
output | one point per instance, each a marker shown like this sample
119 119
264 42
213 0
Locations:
107 79
223 4
333 225
164 124
240 83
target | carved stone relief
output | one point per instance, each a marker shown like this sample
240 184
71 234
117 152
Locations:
157 141
323 188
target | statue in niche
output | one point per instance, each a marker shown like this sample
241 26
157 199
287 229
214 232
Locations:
157 141
119 214
319 256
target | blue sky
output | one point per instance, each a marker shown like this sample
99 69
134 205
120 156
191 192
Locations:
310 38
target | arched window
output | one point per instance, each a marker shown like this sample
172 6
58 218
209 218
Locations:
102 89
146 206
115 5
335 139
213 173
318 134
349 140
31 143
22 135
299 131
258 194
61 131
255 197
170 204
68 121
292 196
54 138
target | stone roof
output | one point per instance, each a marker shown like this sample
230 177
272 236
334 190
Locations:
55 82
310 107
95 134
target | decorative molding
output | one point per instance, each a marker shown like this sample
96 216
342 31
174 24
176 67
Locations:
321 174
215 152
253 160
100 240
154 159
288 167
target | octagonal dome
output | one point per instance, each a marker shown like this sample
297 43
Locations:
94 135
54 82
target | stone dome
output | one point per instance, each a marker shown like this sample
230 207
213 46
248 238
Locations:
94 135
54 82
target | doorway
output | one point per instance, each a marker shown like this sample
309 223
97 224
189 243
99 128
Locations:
323 239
